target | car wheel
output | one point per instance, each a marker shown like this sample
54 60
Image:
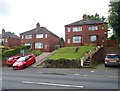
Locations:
106 65
24 66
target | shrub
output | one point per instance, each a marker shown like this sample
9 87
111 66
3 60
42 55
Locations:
36 52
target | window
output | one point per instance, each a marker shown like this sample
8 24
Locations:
68 40
68 29
46 35
45 46
93 28
38 45
28 44
76 29
22 36
39 35
93 38
28 37
77 39
6 40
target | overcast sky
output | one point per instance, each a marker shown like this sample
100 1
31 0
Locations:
22 15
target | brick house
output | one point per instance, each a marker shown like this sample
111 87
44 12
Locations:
86 32
39 38
9 39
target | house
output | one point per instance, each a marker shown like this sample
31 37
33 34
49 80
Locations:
39 38
86 32
9 39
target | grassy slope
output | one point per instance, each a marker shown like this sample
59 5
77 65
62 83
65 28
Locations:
69 52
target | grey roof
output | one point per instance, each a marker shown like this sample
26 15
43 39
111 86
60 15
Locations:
40 30
88 22
9 35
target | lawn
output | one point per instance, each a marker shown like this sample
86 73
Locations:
1 47
69 52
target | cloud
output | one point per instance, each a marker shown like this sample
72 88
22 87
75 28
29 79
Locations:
5 8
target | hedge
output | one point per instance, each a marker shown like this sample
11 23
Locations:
62 63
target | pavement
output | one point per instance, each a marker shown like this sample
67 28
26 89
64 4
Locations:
41 58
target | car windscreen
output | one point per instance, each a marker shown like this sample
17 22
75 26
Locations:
21 59
112 56
10 58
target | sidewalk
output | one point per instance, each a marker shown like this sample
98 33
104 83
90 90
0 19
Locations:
41 58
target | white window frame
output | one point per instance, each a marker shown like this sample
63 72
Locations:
93 28
68 40
22 36
38 45
39 35
28 44
77 39
93 38
77 29
46 35
28 36
68 29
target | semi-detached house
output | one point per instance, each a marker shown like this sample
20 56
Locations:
39 38
86 32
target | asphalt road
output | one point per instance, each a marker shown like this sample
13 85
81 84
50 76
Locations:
45 78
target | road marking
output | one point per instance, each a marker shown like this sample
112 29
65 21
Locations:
52 84
92 71
76 74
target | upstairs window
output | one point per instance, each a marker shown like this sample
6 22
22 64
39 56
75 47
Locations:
46 35
68 29
93 28
28 37
39 35
76 29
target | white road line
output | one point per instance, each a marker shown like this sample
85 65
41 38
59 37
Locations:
92 71
51 84
76 74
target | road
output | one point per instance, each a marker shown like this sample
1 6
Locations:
45 78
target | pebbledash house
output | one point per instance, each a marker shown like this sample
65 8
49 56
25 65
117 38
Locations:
86 32
39 38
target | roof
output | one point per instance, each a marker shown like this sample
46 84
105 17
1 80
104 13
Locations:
39 30
9 35
88 22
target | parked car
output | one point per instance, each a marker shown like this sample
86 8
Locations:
24 62
112 60
10 61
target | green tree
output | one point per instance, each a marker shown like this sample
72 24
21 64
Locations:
61 42
97 17
114 18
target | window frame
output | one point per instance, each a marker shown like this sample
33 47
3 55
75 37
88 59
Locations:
40 44
38 36
95 40
28 36
77 29
77 39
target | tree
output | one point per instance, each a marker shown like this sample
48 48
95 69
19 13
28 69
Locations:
97 17
114 18
61 42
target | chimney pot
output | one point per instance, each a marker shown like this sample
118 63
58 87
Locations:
37 25
3 31
84 17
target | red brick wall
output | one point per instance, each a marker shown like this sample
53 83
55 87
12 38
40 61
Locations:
50 41
85 34
12 42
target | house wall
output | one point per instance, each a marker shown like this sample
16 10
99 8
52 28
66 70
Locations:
85 33
49 42
11 42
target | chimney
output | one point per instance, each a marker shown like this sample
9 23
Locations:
84 17
38 25
3 31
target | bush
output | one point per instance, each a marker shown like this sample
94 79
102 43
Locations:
36 52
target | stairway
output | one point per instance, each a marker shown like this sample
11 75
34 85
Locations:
86 63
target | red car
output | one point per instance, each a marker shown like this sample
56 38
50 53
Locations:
12 60
24 62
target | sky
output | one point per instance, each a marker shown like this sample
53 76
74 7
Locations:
22 15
